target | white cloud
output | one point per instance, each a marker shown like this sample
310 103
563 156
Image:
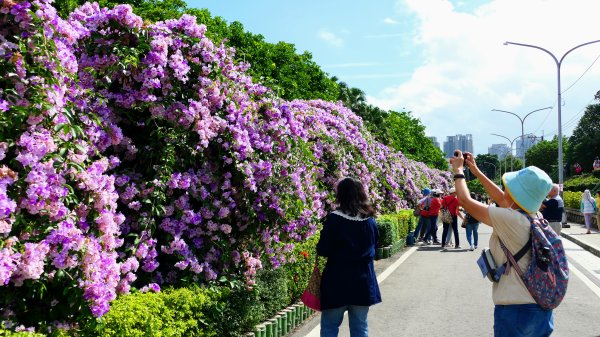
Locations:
390 21
465 70
331 38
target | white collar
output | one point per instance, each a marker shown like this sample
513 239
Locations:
346 216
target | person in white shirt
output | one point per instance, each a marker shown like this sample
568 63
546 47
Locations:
588 207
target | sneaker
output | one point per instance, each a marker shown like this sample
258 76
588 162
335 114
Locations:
475 246
472 248
457 247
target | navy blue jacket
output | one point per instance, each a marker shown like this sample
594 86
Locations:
349 276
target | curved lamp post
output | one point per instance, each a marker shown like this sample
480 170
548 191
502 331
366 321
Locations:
558 64
511 146
522 120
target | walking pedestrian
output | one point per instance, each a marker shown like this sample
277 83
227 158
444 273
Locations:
472 227
423 223
516 313
588 207
451 203
348 240
432 215
553 208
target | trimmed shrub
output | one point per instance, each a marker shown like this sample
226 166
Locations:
272 290
582 182
386 232
179 312
572 199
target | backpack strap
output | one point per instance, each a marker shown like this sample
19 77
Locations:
513 259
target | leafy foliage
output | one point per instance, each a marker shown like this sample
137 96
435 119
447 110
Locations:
579 183
585 141
544 155
489 165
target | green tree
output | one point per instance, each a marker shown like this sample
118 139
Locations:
406 133
584 144
510 163
488 164
545 156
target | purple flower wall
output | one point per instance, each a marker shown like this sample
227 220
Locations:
141 155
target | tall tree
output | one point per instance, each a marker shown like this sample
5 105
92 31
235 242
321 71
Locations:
545 155
406 133
585 141
488 164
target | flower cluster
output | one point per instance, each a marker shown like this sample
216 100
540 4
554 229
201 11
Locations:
144 155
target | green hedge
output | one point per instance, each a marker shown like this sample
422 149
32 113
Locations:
394 227
572 199
582 182
172 312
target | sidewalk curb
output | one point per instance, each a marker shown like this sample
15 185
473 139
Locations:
584 245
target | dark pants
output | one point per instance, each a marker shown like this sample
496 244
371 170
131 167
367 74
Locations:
432 233
454 229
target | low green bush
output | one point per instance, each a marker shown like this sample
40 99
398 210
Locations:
386 232
572 199
272 290
582 182
172 312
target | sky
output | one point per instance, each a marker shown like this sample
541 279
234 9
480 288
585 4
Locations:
445 60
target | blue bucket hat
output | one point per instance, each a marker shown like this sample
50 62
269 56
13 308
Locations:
528 187
426 191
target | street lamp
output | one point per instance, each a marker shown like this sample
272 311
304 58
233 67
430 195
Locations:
558 64
522 127
511 146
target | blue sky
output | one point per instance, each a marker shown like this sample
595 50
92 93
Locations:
444 60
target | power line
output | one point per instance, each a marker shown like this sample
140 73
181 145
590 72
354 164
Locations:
577 80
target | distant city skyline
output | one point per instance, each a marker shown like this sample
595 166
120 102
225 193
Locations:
461 142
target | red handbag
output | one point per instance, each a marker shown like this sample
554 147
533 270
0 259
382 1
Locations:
312 294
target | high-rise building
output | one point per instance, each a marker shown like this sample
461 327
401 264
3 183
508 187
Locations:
461 142
501 150
528 142
434 141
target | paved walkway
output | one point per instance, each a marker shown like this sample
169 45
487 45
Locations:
589 242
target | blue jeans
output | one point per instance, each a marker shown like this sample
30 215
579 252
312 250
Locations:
432 232
357 319
472 230
522 320
423 221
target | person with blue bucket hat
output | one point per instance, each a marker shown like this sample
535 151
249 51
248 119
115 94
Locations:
516 313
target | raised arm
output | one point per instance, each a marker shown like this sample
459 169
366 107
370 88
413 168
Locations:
475 208
491 188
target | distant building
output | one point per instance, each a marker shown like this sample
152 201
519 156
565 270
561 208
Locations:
528 142
435 142
461 142
501 150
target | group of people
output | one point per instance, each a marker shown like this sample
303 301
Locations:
429 208
350 235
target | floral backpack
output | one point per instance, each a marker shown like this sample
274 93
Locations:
547 276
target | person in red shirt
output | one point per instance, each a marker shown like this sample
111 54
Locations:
432 215
451 203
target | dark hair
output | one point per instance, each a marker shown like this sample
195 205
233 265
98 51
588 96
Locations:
352 198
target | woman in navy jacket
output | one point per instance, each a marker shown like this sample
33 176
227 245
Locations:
348 240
